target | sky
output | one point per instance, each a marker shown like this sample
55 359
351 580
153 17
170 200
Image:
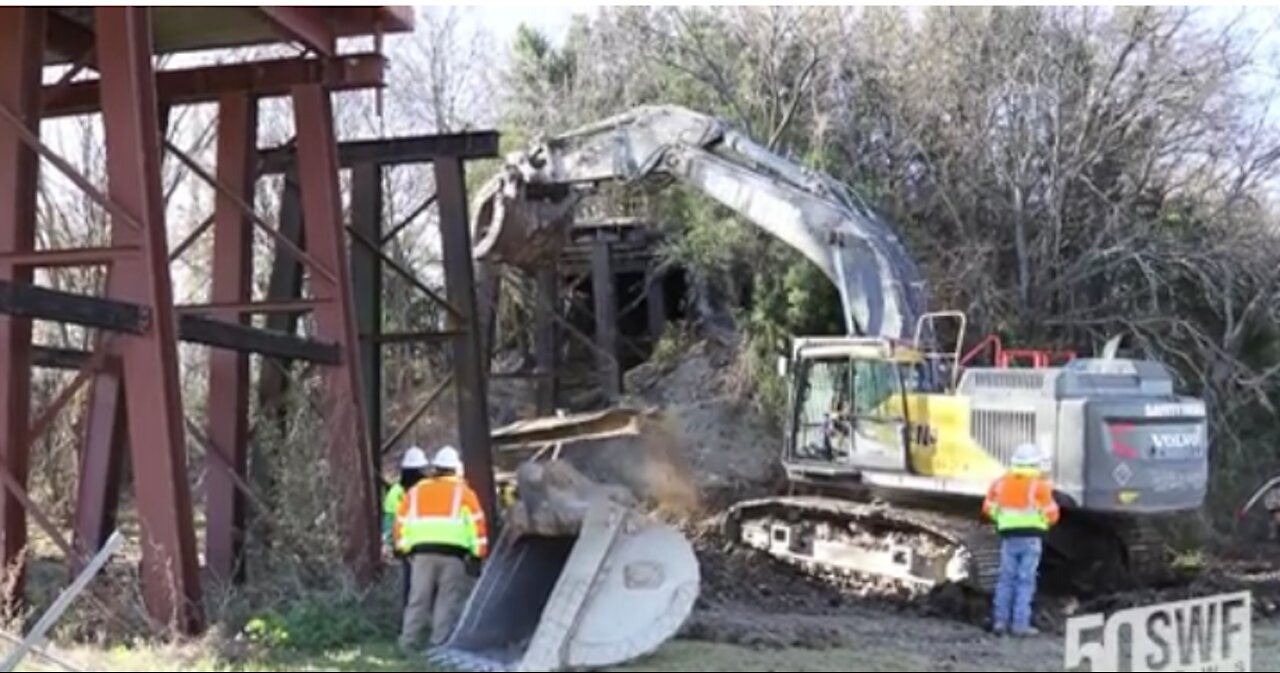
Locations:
502 20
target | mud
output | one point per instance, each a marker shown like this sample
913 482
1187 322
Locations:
753 600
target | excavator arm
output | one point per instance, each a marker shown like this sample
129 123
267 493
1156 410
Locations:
523 213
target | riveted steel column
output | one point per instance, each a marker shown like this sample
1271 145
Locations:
285 284
22 31
488 282
229 370
606 313
470 385
101 463
366 282
150 360
546 339
349 455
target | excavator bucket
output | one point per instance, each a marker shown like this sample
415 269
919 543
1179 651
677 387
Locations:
592 583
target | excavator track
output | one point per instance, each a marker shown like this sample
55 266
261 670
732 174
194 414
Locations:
847 542
910 550
1102 553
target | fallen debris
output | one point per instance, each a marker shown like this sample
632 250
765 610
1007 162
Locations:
580 578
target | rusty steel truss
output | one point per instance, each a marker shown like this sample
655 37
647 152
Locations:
134 398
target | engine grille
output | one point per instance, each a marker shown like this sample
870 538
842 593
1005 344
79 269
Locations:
1000 432
1022 380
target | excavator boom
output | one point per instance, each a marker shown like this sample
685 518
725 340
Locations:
524 212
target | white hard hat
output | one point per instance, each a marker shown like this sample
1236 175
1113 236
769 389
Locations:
1027 455
447 458
414 459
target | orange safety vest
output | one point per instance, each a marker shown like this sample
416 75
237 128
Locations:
1020 502
443 512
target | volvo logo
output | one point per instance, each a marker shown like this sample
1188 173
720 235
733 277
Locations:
1175 440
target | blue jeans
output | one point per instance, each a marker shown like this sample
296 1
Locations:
1016 586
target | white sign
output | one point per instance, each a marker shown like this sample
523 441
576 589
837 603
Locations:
1201 634
1164 409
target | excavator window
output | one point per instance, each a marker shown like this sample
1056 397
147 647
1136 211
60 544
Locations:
838 397
877 386
822 401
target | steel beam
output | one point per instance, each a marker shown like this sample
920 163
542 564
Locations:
408 275
67 38
308 25
233 336
295 306
22 31
488 280
150 361
29 301
58 358
546 339
471 388
66 257
366 282
389 151
606 314
228 414
208 84
285 284
349 455
101 462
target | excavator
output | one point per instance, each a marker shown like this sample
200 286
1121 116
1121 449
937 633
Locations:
892 438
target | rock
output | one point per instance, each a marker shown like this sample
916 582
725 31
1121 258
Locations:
554 498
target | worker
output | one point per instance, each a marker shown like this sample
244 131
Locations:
440 527
1021 505
413 468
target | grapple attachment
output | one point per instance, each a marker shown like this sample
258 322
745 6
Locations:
614 588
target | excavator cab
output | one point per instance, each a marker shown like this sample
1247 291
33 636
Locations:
848 404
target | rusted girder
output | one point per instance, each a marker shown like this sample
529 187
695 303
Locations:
28 301
22 31
388 151
171 583
208 84
228 415
469 370
67 257
24 300
67 38
366 284
349 456
309 26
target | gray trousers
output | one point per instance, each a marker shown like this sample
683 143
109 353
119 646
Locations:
438 589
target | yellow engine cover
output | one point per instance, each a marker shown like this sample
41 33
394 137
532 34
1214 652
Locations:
941 444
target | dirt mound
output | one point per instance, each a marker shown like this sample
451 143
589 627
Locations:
730 446
701 446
